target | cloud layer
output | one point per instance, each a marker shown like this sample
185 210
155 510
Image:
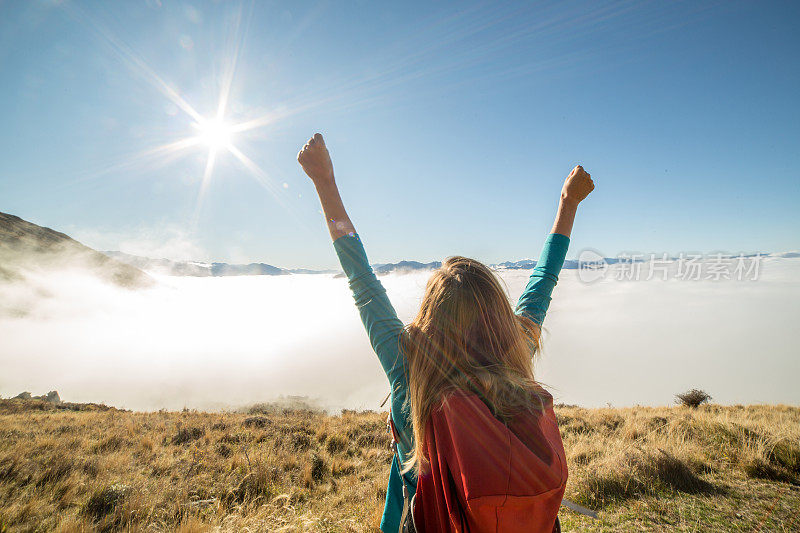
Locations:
224 342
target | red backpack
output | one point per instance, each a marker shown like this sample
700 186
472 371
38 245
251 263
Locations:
485 476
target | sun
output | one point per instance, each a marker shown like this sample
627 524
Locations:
215 133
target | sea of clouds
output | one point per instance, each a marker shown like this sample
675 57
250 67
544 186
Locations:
216 343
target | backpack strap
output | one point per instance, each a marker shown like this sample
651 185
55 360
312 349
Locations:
396 450
578 508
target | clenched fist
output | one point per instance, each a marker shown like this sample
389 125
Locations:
577 186
315 160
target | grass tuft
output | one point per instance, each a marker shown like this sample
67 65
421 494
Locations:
104 501
186 435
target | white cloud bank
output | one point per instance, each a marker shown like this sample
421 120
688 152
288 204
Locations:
222 342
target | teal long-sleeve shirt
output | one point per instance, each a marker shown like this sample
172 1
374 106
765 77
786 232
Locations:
384 330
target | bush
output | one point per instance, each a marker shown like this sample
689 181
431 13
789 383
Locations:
693 398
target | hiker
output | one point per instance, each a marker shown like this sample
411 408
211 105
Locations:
477 446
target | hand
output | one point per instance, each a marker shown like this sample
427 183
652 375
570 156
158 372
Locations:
577 186
316 161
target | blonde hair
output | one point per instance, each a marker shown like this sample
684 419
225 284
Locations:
466 337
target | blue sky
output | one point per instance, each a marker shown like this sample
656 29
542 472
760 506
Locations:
451 125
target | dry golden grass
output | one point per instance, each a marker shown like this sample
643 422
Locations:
707 469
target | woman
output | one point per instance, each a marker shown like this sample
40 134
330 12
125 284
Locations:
461 375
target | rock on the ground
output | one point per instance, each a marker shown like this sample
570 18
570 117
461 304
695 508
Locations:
50 397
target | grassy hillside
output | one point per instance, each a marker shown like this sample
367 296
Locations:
709 469
25 246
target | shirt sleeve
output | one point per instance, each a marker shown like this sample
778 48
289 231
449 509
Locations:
377 313
384 330
535 298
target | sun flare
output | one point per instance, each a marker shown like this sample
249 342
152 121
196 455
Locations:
215 133
212 134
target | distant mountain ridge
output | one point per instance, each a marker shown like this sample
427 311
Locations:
24 245
404 266
201 269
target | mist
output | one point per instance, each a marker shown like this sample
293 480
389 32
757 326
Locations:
226 342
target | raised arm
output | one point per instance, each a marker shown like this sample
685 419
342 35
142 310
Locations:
535 299
317 164
377 313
